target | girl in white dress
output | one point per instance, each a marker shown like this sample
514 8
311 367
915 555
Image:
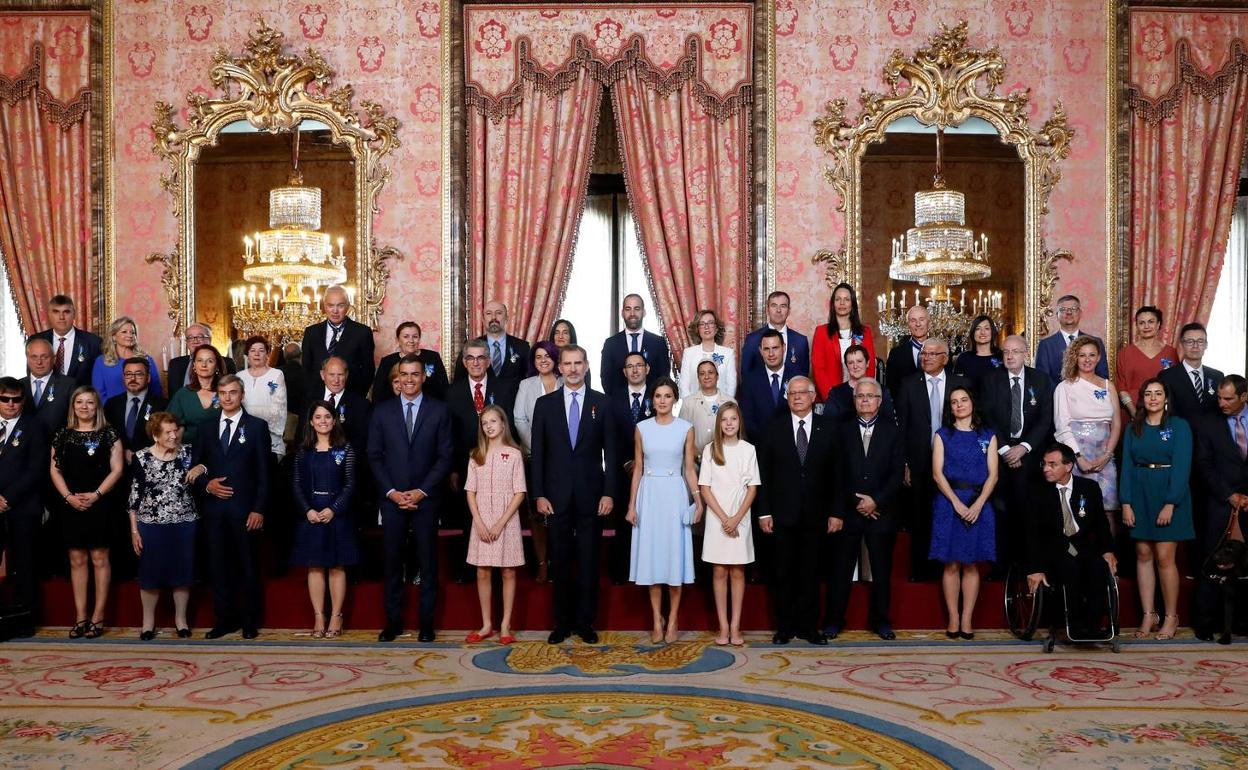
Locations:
729 482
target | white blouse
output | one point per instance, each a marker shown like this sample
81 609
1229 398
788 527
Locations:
526 398
265 397
724 358
1081 401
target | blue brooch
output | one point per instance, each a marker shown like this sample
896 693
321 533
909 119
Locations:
983 444
242 435
1100 394
216 402
184 458
714 408
996 363
428 370
1032 392
717 359
272 388
514 358
857 338
92 445
1166 363
339 455
645 354
1166 433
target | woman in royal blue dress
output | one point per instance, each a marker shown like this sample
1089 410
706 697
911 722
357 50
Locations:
964 467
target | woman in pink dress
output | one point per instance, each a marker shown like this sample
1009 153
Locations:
1142 358
495 490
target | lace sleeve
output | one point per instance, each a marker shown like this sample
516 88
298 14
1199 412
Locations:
138 480
343 501
301 502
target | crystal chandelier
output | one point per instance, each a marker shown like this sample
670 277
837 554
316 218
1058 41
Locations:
940 251
287 266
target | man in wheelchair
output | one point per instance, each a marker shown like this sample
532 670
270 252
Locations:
1069 543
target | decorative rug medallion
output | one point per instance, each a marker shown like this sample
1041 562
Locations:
611 657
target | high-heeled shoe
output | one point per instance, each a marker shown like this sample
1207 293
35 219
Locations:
95 630
1146 627
79 629
1165 635
147 635
318 631
331 632
184 633
953 634
656 635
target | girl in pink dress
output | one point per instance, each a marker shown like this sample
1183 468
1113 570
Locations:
495 489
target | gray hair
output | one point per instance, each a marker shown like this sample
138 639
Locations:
868 381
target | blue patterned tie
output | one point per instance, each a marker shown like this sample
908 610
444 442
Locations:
636 408
496 359
574 419
225 435
38 391
132 416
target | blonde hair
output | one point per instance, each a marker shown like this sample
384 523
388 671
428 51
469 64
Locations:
110 345
482 450
71 421
717 443
1070 361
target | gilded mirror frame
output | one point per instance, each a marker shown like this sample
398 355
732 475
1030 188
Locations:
274 91
940 85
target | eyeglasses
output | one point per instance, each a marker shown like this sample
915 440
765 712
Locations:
1067 310
133 375
706 323
932 354
199 337
10 399
801 392
476 358
1196 343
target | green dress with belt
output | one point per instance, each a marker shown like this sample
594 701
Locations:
191 413
1148 489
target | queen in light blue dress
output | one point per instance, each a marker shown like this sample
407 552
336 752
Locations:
662 548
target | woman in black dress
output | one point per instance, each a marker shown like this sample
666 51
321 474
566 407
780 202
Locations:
408 335
982 354
87 463
325 534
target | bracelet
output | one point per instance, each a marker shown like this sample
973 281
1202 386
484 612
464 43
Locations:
98 494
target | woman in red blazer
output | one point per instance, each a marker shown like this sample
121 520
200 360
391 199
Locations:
844 328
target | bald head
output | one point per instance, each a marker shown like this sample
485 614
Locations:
919 322
39 357
495 316
1014 351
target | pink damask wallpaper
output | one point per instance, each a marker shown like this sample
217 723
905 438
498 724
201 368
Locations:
389 50
826 50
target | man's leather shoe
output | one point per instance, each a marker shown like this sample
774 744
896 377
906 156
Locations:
388 634
1224 639
588 636
831 632
425 635
780 638
816 637
1203 634
885 632
557 636
250 633
216 632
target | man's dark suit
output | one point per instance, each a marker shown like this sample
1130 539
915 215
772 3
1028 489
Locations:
116 409
355 345
354 412
178 367
1085 573
82 358
436 381
758 407
616 348
798 497
840 404
515 361
619 550
1014 483
878 475
54 402
796 354
403 464
901 365
232 550
23 478
915 416
1183 400
1051 355
573 479
1224 474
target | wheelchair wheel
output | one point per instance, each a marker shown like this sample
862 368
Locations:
1022 609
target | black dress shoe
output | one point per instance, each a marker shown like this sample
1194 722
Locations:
388 634
250 633
557 636
1224 639
184 633
147 636
216 632
780 638
831 632
816 637
425 635
954 634
967 635
1203 634
588 636
885 632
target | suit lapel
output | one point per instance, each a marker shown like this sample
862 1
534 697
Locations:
419 421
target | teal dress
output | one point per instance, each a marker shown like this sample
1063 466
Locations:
1148 489
191 413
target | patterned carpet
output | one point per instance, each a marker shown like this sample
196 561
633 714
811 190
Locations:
920 702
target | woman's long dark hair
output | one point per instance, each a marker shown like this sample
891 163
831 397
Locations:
855 320
337 437
948 418
1141 415
217 373
571 330
973 346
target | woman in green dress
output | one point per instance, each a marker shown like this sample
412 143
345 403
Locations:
197 402
1157 503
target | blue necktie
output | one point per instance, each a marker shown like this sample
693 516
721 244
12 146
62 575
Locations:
574 420
636 408
775 390
497 359
225 435
38 391
411 420
635 335
337 330
132 416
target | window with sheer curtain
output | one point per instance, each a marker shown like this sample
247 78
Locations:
1228 321
12 356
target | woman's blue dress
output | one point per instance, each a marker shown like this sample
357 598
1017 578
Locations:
325 480
966 470
662 548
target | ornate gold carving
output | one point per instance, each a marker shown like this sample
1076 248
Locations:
274 91
1048 282
944 84
834 269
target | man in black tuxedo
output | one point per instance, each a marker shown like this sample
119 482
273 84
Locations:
796 346
340 336
903 358
574 468
633 339
47 393
128 412
74 350
628 407
921 411
1192 385
868 481
1222 457
232 468
1068 538
179 372
410 451
1017 404
508 355
23 475
797 467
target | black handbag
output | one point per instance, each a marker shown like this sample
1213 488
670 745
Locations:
1229 558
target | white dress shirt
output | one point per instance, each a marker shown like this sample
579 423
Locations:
580 400
234 420
42 388
1067 491
808 420
1022 406
70 337
9 426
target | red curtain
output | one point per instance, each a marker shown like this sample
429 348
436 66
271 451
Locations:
687 174
1186 153
527 180
45 195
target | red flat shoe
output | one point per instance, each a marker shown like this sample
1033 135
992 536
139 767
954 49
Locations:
475 637
506 639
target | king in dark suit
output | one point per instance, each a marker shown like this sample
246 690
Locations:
128 412
46 393
340 336
633 339
232 466
23 475
796 345
77 348
409 451
573 477
869 473
796 465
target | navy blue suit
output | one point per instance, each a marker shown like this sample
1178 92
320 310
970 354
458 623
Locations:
398 463
796 354
231 548
23 477
1051 352
758 406
573 479
616 348
82 357
619 550
53 406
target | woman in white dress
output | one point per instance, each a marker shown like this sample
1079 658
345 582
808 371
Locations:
709 330
700 408
1087 419
264 392
729 482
